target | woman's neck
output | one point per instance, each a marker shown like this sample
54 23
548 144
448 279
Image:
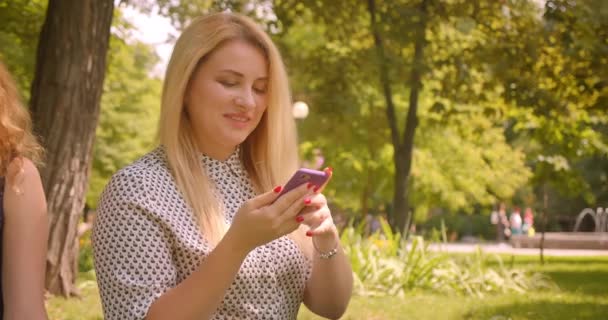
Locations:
217 152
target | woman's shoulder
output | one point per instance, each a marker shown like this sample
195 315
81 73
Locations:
23 191
137 178
150 163
22 174
22 166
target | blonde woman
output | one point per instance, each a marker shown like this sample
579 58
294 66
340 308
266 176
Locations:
23 219
195 229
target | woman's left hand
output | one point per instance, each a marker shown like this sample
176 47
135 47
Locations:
317 216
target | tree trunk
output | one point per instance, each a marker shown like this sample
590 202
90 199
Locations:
544 223
403 148
66 92
369 183
365 194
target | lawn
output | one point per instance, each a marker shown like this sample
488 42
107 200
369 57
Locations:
582 294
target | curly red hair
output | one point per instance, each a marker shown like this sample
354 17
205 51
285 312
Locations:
16 137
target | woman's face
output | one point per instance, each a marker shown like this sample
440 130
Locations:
227 97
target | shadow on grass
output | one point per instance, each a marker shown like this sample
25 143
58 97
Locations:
592 283
551 261
573 261
541 310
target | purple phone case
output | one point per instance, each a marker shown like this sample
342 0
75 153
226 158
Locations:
303 175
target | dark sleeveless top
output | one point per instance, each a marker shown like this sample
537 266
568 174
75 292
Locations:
1 237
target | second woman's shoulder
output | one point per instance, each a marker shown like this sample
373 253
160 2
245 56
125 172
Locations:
23 168
22 174
23 191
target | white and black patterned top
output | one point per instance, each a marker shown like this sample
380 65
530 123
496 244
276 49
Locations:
146 241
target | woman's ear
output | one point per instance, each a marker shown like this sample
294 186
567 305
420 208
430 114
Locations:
186 101
185 111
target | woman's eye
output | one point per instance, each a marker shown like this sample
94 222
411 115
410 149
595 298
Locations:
260 90
228 84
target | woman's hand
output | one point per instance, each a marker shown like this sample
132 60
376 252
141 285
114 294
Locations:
262 219
317 216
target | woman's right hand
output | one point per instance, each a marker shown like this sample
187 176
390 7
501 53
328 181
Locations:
262 219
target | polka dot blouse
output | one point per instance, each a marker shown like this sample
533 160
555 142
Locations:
146 241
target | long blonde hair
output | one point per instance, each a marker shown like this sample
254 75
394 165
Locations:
16 138
269 154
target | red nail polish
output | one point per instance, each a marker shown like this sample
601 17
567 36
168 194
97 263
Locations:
309 185
330 169
315 189
277 189
299 218
307 201
309 233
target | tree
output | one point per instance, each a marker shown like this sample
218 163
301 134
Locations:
65 99
21 23
561 93
419 70
403 147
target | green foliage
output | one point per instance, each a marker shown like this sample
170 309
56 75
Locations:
383 264
455 169
182 12
329 51
556 81
85 253
130 107
457 224
514 98
21 23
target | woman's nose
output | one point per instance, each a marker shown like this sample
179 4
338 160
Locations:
245 100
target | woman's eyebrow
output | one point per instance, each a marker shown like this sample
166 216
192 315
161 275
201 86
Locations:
238 74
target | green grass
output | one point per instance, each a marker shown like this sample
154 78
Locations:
85 307
425 306
582 294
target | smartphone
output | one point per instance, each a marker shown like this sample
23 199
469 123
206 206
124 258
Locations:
304 175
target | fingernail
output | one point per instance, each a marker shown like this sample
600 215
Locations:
309 233
299 218
307 201
309 185
278 189
315 189
330 169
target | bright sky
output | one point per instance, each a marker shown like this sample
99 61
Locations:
153 29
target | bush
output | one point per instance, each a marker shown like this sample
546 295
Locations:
85 254
384 264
